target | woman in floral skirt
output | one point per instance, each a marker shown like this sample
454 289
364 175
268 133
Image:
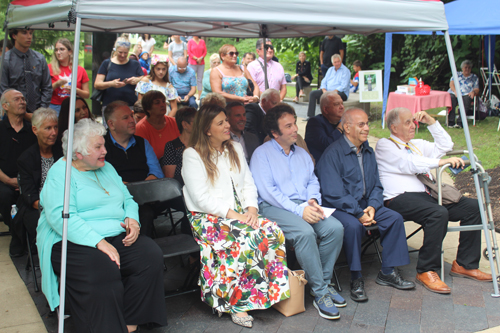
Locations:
242 254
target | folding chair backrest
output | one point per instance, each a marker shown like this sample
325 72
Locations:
156 190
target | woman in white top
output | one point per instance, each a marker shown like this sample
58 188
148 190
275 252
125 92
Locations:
242 253
158 80
147 43
176 49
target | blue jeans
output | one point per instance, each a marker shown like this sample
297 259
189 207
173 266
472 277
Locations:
316 260
56 108
191 102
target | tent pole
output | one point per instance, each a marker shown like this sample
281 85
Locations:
490 68
474 169
387 72
67 183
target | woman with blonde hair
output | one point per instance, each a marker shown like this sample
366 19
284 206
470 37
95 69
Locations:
242 253
60 69
231 80
214 62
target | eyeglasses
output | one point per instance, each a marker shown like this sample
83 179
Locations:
181 68
363 124
232 53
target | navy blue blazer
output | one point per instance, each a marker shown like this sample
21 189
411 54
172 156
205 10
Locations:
340 178
319 135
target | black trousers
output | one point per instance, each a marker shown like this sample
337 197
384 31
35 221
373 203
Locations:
424 210
105 298
314 97
8 197
300 84
454 103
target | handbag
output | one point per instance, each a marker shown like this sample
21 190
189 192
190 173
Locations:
294 304
449 193
98 95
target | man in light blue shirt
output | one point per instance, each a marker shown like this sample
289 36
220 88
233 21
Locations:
289 194
183 78
337 79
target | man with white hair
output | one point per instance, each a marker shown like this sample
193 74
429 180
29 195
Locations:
15 136
349 181
256 112
337 79
400 159
325 128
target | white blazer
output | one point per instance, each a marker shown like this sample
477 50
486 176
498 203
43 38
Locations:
201 196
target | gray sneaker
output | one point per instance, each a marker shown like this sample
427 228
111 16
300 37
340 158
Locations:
338 300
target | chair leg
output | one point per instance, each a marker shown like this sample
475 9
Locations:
337 283
377 249
31 263
169 212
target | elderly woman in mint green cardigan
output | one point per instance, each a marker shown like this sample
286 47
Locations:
114 275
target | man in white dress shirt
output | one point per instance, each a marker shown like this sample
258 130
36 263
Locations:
400 159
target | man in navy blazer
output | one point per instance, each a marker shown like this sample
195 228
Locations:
325 128
349 182
236 116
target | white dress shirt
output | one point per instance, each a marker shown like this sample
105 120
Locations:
398 166
216 199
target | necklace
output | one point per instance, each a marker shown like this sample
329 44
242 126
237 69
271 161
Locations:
98 182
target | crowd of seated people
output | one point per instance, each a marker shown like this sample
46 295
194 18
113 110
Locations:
250 182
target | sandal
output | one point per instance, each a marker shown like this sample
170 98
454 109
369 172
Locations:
295 100
242 321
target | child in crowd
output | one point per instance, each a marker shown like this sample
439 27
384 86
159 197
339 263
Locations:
138 111
356 65
145 61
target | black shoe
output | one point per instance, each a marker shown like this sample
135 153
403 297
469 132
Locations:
358 293
394 280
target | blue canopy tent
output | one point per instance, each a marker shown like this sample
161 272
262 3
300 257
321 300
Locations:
465 17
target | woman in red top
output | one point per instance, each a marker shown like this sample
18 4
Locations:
197 50
60 73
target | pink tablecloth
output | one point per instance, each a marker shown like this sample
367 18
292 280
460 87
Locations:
418 103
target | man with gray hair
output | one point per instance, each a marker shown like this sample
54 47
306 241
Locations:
255 112
16 136
401 159
469 87
325 128
132 156
349 181
275 72
337 79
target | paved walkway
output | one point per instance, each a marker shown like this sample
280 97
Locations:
469 308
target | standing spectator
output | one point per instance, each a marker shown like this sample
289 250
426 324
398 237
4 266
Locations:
337 79
302 77
197 50
275 72
26 71
207 88
231 80
184 81
331 45
158 80
16 136
121 75
60 72
356 65
248 58
147 43
176 49
469 86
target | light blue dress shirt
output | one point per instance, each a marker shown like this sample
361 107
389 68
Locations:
182 82
281 178
152 161
337 80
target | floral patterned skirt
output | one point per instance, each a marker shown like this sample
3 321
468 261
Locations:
242 268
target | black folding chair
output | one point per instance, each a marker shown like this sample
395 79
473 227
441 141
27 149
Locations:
161 190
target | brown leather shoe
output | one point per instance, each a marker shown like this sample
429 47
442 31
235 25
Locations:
432 282
474 274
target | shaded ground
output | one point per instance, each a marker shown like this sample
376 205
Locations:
465 183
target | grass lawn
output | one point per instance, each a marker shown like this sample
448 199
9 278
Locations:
484 136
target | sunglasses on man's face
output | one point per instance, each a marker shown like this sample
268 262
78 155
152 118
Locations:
232 53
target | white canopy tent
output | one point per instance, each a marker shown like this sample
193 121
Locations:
232 18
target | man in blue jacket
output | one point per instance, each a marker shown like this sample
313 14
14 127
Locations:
349 182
